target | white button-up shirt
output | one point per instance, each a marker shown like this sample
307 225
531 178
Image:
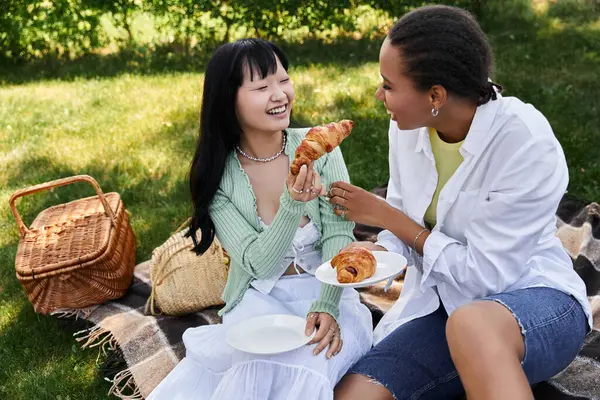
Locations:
496 219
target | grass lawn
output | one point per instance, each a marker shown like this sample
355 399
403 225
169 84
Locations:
133 127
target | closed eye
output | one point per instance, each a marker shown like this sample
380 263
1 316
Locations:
285 80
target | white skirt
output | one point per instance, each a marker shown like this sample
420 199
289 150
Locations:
214 370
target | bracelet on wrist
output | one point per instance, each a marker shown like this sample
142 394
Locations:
414 245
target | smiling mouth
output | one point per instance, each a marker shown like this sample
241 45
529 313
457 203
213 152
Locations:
278 110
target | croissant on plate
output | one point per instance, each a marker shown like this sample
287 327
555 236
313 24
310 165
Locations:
354 265
320 140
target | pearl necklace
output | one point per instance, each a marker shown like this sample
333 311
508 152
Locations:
263 160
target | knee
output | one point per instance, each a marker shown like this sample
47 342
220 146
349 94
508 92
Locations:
358 387
468 331
349 385
480 329
464 323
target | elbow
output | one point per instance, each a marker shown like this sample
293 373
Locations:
259 269
261 274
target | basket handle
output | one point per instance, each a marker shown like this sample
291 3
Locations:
185 223
49 185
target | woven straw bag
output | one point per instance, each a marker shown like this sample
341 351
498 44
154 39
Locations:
183 282
75 254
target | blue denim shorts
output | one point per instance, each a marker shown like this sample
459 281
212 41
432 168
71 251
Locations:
413 362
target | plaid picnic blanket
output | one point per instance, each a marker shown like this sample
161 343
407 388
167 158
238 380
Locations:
139 350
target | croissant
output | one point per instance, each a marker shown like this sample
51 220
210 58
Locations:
318 140
354 265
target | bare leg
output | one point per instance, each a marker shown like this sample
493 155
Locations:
360 387
487 348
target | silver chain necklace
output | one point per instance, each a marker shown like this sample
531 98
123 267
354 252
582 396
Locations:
263 160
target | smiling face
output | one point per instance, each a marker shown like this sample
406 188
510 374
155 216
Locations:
409 107
265 105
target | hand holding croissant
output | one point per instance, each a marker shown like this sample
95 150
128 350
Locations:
320 140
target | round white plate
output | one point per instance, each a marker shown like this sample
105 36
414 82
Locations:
269 334
389 265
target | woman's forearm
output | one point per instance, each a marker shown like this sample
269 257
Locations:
403 227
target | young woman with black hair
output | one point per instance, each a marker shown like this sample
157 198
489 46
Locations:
491 303
277 228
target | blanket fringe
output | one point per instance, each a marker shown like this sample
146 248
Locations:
123 381
76 313
97 336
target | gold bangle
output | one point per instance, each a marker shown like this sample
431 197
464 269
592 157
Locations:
417 238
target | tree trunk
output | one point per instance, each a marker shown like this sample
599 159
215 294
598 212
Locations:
127 26
477 9
228 24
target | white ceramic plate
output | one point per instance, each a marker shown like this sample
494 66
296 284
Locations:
389 265
268 334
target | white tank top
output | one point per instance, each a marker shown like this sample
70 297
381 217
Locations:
301 253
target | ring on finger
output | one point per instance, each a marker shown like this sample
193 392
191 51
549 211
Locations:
344 194
343 214
298 191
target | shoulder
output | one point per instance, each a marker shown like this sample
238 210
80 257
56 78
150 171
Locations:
295 136
524 144
521 123
231 175
521 134
298 132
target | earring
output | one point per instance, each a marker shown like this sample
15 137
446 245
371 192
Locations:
434 112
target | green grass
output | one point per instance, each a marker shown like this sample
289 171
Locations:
131 122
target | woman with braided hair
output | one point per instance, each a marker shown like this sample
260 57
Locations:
490 302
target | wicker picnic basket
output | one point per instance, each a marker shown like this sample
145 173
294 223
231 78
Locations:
184 282
75 254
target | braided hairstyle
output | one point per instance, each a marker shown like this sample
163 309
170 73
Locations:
445 46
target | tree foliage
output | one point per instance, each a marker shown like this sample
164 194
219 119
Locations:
32 29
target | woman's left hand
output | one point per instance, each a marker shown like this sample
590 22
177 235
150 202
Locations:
358 205
328 333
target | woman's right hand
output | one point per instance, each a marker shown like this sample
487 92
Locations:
369 245
305 186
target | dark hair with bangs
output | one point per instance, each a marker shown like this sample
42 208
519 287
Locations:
443 45
220 130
